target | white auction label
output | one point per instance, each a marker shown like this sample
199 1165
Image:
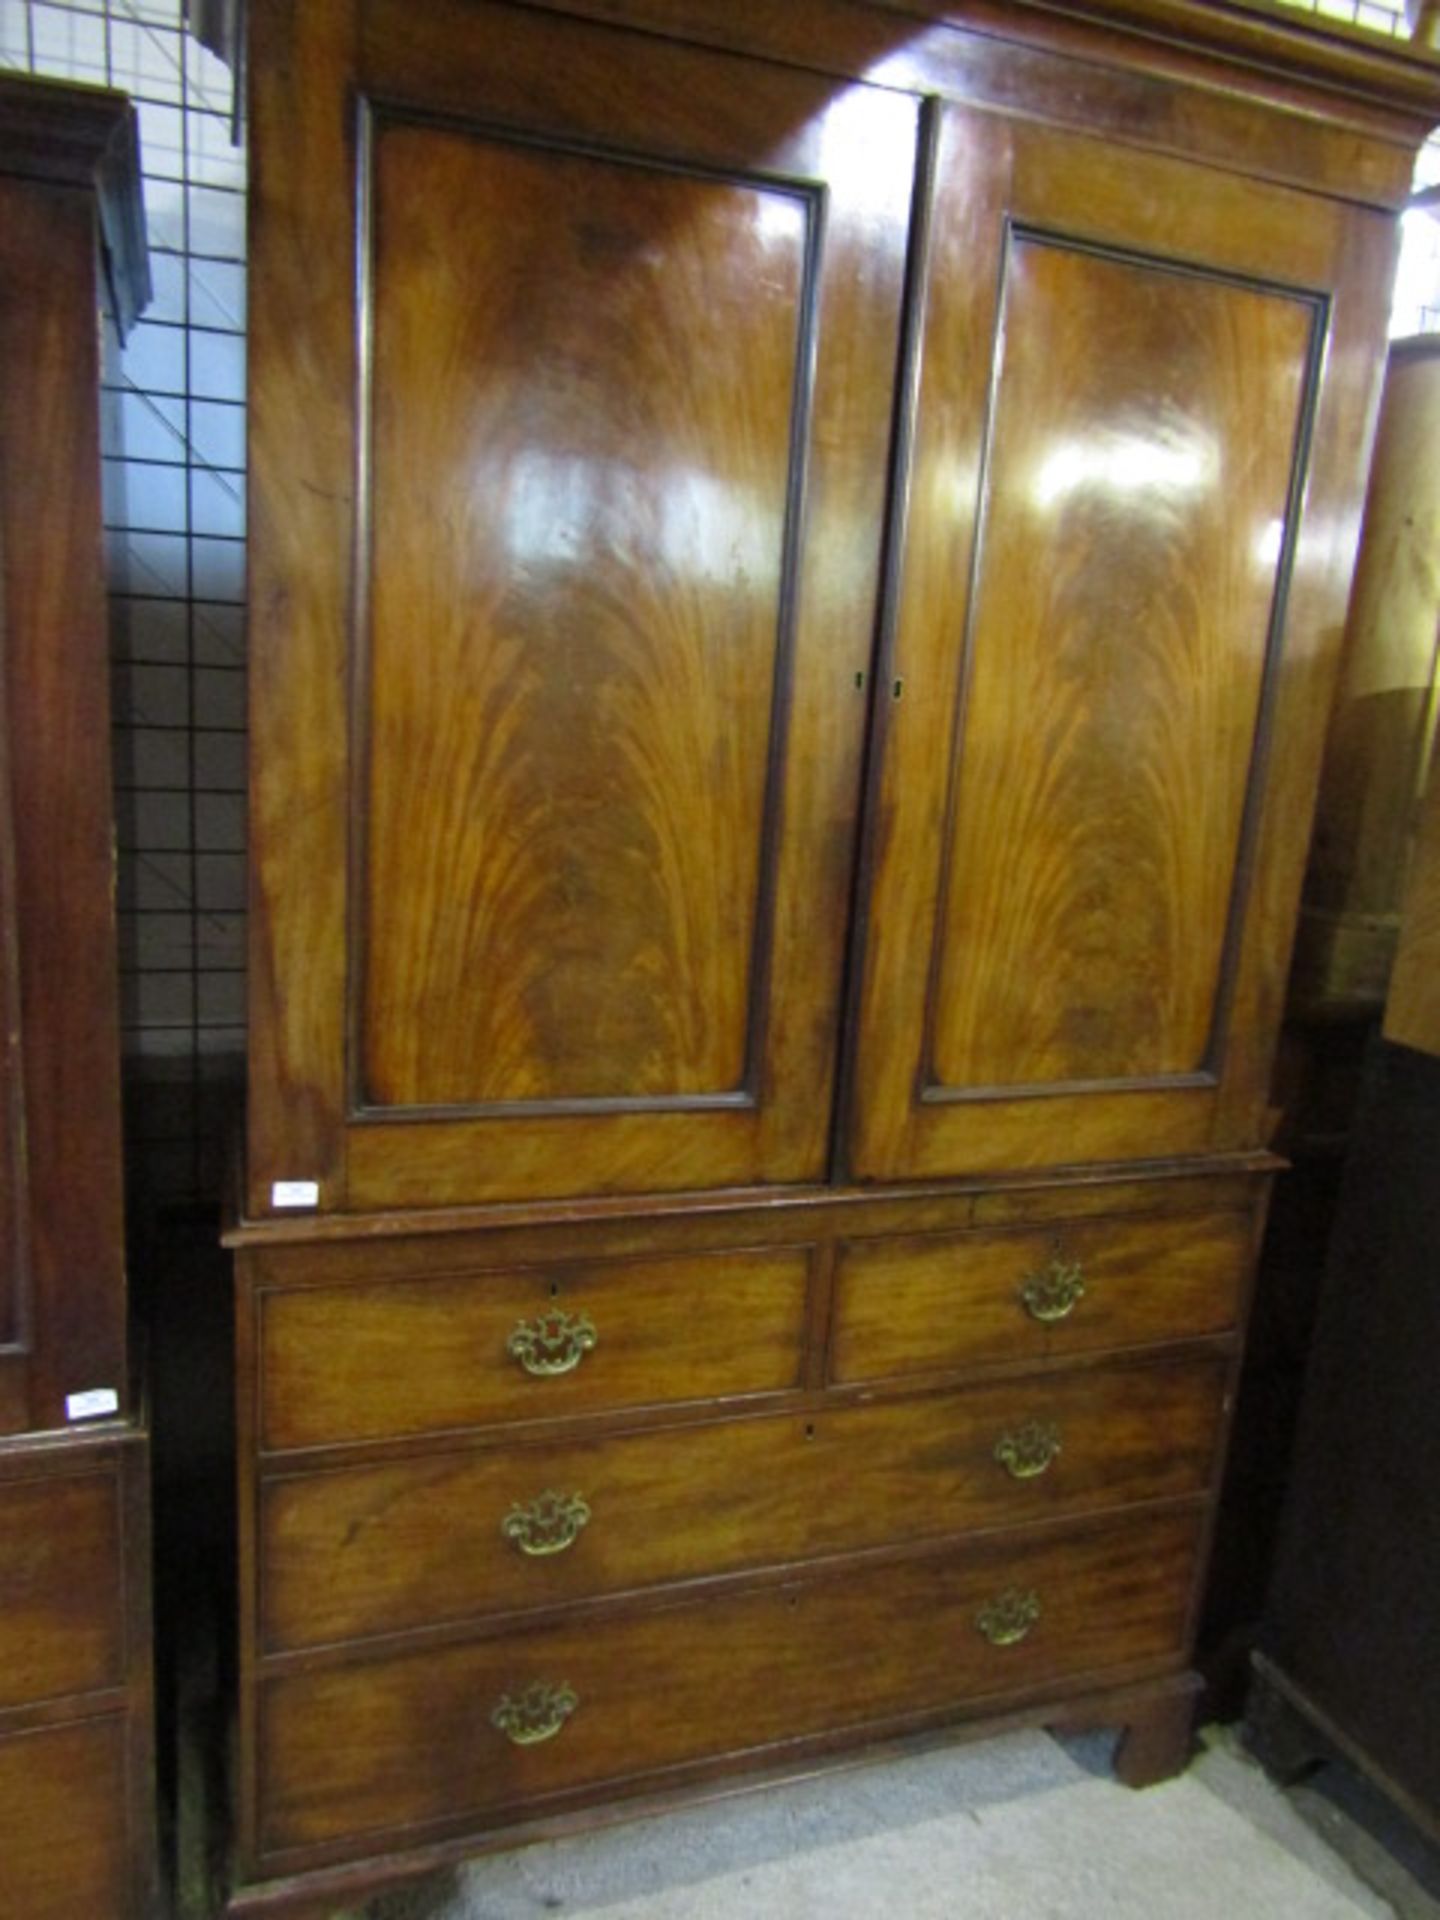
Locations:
295 1193
93 1405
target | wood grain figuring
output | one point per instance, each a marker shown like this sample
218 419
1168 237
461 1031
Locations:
1143 431
584 393
406 1744
63 1829
62 1608
389 1548
620 843
1099 775
931 1302
418 1357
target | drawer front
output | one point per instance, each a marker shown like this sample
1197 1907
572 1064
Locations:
63 1834
931 1302
61 1605
421 1356
353 1752
388 1548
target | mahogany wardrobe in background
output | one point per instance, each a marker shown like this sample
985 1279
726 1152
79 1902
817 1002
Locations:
76 1792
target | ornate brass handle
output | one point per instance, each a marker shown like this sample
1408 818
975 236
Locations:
1009 1618
1053 1291
1029 1450
548 1524
537 1714
554 1343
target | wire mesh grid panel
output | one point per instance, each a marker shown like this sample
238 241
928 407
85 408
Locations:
174 446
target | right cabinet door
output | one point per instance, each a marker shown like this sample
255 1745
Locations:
1140 418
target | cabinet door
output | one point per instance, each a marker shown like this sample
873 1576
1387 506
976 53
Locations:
566 517
1145 396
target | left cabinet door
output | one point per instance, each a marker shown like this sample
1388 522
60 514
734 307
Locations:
572 357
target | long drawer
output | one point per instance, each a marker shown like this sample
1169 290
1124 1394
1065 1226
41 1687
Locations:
935 1302
416 1356
62 1628
377 1549
444 1737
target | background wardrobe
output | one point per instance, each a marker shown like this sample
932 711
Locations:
76 1796
794 598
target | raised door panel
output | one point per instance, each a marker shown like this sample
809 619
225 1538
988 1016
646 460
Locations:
62 1324
1135 471
553 900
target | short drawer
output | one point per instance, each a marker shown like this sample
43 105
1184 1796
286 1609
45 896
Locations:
61 1589
382 1549
934 1302
64 1825
421 1356
465 1733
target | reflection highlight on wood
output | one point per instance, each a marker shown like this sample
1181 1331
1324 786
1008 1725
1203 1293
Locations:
583 386
1143 432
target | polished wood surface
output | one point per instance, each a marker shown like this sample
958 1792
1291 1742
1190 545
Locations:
584 515
62 1596
1412 1010
1080 887
63 1822
1142 434
925 1303
64 1062
639 718
565 810
1377 756
77 1791
76 1762
400 1358
387 1548
406 1745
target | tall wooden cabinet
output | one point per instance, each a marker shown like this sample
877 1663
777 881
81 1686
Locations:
76 1818
798 562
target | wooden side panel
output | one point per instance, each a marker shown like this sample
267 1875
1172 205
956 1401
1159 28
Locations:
1412 1011
66 1224
584 404
63 1832
555 904
408 1744
1135 483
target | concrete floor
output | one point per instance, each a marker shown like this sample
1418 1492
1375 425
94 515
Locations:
1021 1827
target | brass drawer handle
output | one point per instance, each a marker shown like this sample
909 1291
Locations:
537 1714
1028 1451
548 1524
554 1343
1009 1618
1053 1291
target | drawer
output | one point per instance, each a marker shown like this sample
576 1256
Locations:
380 1549
931 1302
63 1826
417 1741
420 1356
61 1605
